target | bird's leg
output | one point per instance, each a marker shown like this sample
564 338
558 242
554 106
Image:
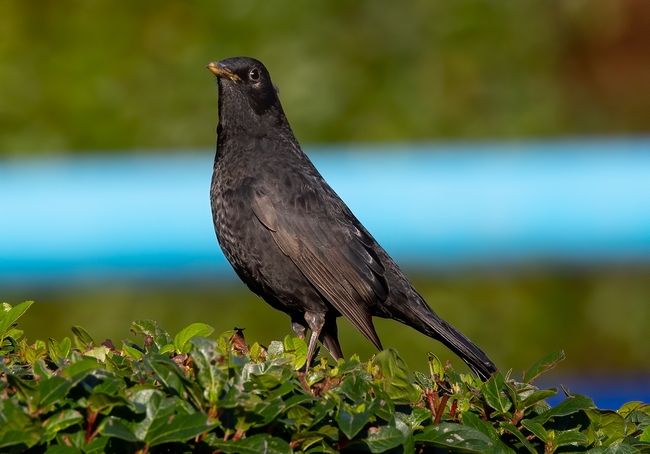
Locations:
299 329
315 323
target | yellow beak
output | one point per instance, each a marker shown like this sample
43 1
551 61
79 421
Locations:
220 70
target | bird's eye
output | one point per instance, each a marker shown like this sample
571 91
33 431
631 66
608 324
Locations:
254 75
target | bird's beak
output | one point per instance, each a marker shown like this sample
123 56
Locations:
220 70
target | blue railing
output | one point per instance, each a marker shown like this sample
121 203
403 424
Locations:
433 205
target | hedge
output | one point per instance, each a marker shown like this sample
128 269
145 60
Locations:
193 393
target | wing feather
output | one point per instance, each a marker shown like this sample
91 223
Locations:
336 263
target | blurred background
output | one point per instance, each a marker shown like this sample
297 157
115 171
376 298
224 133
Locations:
498 150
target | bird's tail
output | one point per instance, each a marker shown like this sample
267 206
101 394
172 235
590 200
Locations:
456 341
330 339
416 313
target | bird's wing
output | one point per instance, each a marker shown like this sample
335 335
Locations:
333 257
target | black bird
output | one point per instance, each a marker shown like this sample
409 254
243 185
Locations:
290 237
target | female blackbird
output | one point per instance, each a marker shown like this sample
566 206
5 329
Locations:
290 237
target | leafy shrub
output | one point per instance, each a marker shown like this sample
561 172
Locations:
191 393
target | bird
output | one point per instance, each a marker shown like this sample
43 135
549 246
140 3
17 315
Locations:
292 240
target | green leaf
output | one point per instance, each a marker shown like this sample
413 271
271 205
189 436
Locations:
265 381
66 346
306 439
99 401
62 449
418 416
207 358
158 409
283 389
59 351
276 348
17 427
535 397
99 353
299 416
60 421
424 381
388 437
345 367
409 445
386 410
256 444
645 436
40 370
151 328
397 377
122 366
268 410
54 350
14 332
638 418
108 385
160 424
36 352
435 366
195 329
132 352
629 407
322 409
81 369
612 425
616 448
570 405
166 372
298 399
9 317
236 398
30 395
18 437
514 431
569 437
177 428
82 338
472 420
257 353
455 437
545 364
76 439
355 388
297 349
169 348
351 420
536 429
96 446
114 427
279 368
493 391
53 389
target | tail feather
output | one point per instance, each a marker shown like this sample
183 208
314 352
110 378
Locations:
332 345
411 309
330 339
456 341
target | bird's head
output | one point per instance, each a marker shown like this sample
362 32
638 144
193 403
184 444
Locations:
245 89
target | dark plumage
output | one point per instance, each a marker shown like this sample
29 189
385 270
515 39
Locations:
291 239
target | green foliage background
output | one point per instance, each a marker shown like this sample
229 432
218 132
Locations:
78 77
98 75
